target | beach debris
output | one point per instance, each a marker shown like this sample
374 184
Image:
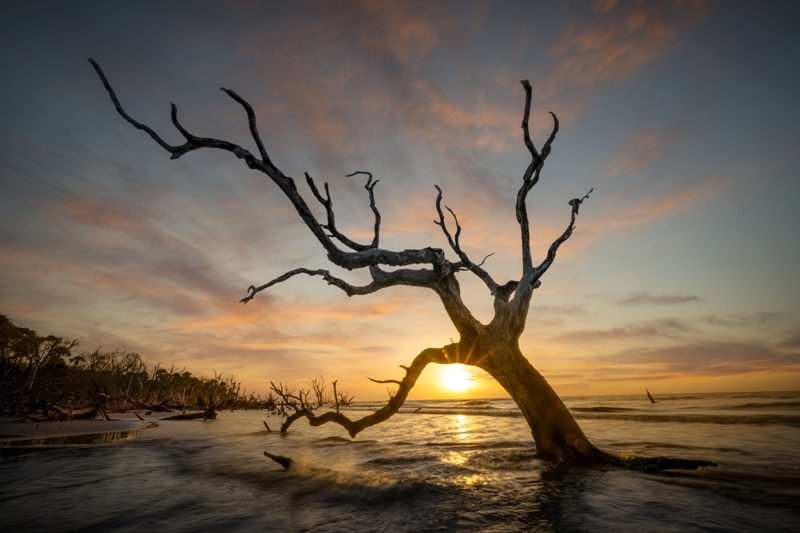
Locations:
267 426
652 400
138 416
200 415
285 462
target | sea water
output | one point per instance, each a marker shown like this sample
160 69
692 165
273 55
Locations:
435 466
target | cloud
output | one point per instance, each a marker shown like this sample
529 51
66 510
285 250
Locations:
621 39
571 310
792 342
767 320
642 298
666 328
640 150
694 360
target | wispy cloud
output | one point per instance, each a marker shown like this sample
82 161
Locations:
645 298
695 360
669 328
767 320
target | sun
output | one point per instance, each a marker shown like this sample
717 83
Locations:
456 379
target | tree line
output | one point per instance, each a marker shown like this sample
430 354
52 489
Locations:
46 378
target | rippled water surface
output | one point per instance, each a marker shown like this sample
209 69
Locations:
450 466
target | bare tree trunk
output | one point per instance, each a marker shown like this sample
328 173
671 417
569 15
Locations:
558 436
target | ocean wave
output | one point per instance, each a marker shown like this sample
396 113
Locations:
474 411
602 409
767 405
789 420
401 460
480 445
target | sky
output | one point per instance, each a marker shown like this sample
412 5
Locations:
682 274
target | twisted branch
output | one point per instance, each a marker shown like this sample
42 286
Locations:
327 203
349 260
381 280
369 187
354 427
551 252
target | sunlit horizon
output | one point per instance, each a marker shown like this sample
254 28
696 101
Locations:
679 277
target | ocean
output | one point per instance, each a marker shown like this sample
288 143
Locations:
465 465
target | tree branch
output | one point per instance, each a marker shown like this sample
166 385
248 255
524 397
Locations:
118 106
526 115
456 246
382 381
251 120
348 260
381 280
369 187
531 177
327 203
444 355
551 252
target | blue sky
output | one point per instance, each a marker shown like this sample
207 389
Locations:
681 276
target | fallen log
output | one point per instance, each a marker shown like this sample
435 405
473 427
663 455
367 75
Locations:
71 414
200 415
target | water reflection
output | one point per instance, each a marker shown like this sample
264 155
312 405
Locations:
461 428
417 472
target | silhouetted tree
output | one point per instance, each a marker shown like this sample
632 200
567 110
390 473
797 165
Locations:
493 347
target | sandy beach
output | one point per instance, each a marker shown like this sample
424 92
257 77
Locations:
30 433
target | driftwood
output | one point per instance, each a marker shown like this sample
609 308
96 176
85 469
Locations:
187 416
652 400
81 413
281 460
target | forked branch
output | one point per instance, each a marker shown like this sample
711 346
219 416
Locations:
349 260
551 252
455 244
381 280
370 186
531 177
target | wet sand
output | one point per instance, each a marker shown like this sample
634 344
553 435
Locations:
29 433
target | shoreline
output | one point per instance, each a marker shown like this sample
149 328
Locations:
39 434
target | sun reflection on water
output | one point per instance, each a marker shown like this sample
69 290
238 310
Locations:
462 428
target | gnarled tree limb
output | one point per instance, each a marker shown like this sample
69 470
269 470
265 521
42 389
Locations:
341 258
370 187
531 177
444 355
551 252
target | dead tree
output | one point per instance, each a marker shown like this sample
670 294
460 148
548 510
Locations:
493 347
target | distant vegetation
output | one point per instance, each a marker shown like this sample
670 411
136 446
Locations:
43 378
